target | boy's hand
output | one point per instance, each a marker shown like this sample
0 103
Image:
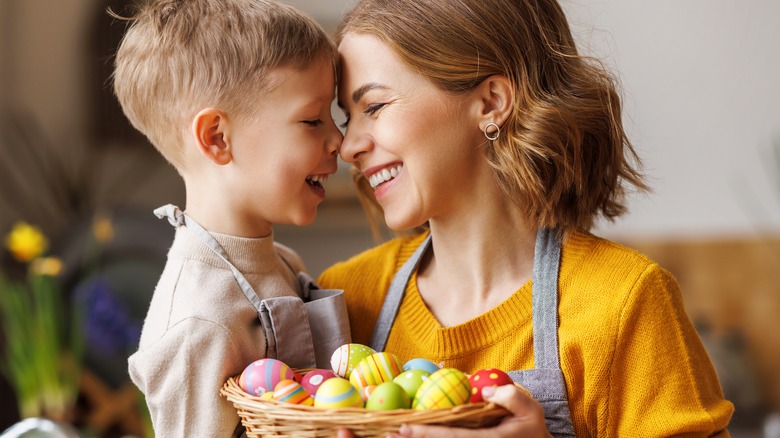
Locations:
526 419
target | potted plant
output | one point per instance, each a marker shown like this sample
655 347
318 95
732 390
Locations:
42 343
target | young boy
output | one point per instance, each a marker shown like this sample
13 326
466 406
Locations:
236 94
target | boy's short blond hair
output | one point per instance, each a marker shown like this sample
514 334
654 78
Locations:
180 56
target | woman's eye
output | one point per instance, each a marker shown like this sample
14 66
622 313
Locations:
345 124
372 109
313 123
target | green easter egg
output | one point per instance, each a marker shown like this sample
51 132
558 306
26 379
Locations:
388 396
411 381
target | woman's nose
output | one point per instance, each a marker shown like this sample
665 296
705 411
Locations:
353 145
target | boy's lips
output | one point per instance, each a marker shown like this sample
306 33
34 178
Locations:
317 180
381 174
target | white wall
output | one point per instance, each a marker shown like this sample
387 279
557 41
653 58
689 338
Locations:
702 85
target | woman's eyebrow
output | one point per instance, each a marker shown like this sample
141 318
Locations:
365 88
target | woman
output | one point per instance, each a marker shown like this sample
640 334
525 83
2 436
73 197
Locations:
478 120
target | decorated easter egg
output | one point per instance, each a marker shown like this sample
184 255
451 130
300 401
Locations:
365 393
337 393
411 380
388 396
346 358
445 388
313 379
290 391
268 395
421 364
262 375
375 369
486 377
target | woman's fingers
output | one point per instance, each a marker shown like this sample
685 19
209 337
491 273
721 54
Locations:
517 401
526 418
344 433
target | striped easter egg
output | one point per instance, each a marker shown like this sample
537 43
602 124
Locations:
336 393
375 369
346 357
365 393
445 388
290 391
262 376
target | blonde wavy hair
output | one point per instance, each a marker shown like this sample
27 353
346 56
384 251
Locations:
563 155
181 56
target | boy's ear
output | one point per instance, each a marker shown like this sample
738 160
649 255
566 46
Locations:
495 100
210 129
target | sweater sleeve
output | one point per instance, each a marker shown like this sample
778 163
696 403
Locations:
181 386
661 381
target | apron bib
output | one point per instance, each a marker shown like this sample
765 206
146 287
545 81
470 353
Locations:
301 331
545 380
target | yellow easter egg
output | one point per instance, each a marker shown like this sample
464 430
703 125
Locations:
445 388
376 369
337 392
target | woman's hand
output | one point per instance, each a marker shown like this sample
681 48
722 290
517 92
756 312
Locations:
526 419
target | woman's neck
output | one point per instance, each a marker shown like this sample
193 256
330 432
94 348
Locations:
478 260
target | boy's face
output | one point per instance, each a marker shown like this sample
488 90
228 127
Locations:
288 149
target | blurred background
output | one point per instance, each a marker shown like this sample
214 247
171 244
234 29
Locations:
702 106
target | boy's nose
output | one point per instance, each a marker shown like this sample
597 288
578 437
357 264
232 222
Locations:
334 141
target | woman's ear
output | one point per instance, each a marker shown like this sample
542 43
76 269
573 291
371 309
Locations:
210 129
496 100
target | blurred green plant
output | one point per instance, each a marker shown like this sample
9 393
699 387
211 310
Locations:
43 343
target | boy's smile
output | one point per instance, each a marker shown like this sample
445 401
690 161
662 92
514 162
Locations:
284 153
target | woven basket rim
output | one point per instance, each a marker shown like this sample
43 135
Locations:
251 408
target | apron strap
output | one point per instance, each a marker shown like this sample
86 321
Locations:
177 218
547 256
394 297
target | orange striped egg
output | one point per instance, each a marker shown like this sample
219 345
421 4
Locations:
445 388
290 391
346 357
375 369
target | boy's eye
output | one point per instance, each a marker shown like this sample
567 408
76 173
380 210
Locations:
313 123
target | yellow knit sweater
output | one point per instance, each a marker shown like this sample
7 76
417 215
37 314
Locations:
633 363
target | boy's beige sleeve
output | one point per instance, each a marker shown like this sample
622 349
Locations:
181 375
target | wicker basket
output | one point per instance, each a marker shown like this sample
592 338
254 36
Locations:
264 417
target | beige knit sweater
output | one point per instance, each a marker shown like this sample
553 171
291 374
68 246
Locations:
200 330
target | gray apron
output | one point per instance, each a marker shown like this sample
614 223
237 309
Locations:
301 331
545 380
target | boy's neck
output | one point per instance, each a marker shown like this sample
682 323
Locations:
217 215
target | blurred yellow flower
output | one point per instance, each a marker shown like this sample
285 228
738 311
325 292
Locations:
51 266
103 229
26 242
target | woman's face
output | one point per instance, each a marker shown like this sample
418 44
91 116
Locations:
417 145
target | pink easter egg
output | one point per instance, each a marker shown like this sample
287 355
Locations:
262 375
313 379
